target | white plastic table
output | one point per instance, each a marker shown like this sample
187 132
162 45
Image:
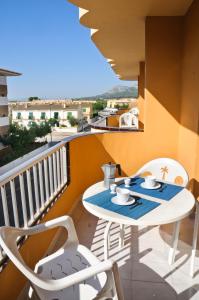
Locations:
173 211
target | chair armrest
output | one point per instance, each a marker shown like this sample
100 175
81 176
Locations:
64 221
58 284
9 235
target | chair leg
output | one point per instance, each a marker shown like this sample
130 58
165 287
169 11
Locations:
121 237
117 283
174 242
195 236
106 240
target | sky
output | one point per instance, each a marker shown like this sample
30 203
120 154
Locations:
43 40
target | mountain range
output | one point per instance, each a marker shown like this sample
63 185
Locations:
118 91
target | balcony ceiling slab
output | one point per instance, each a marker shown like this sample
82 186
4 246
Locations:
118 28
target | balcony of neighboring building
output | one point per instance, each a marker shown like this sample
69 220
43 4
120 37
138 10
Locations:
3 101
4 120
120 118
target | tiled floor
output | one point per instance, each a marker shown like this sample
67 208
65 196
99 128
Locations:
143 266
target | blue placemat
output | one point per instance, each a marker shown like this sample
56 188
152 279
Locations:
167 193
103 200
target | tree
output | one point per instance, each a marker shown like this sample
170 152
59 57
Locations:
40 130
33 98
98 106
72 120
121 106
53 122
22 140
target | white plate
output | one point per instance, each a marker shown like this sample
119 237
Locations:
118 202
157 186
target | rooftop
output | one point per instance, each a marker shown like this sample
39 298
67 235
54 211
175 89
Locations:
4 72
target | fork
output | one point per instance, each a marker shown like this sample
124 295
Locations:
135 205
162 187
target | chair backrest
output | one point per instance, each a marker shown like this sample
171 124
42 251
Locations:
165 169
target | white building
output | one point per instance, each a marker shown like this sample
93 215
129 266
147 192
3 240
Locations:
27 113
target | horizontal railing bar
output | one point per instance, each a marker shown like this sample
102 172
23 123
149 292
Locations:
31 162
28 164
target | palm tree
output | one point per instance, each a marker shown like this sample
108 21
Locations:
164 171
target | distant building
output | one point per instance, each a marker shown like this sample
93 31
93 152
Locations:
4 119
115 103
25 113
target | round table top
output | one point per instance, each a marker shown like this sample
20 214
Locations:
179 207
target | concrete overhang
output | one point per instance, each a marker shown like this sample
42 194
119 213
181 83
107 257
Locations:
118 28
4 72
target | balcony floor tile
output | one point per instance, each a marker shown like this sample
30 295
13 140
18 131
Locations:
144 270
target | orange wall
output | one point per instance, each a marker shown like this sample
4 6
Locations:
113 121
163 84
189 128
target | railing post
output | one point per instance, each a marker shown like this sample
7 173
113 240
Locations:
41 186
5 206
64 164
23 200
46 179
30 199
14 202
51 176
58 170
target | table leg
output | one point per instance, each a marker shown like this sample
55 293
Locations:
174 242
121 237
195 236
106 240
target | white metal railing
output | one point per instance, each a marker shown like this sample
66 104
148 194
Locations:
27 190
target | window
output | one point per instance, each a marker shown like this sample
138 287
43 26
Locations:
18 115
69 114
84 109
56 115
43 115
30 117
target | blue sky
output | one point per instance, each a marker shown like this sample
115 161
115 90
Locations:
44 40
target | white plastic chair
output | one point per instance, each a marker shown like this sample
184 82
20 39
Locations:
169 170
165 169
195 238
72 272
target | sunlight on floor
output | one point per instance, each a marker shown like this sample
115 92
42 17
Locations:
144 269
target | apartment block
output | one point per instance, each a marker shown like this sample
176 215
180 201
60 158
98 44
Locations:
4 119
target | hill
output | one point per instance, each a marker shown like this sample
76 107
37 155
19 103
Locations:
117 92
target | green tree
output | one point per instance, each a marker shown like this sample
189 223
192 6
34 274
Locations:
53 122
22 140
72 120
98 106
121 106
33 98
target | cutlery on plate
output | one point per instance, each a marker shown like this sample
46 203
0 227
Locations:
162 187
135 205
